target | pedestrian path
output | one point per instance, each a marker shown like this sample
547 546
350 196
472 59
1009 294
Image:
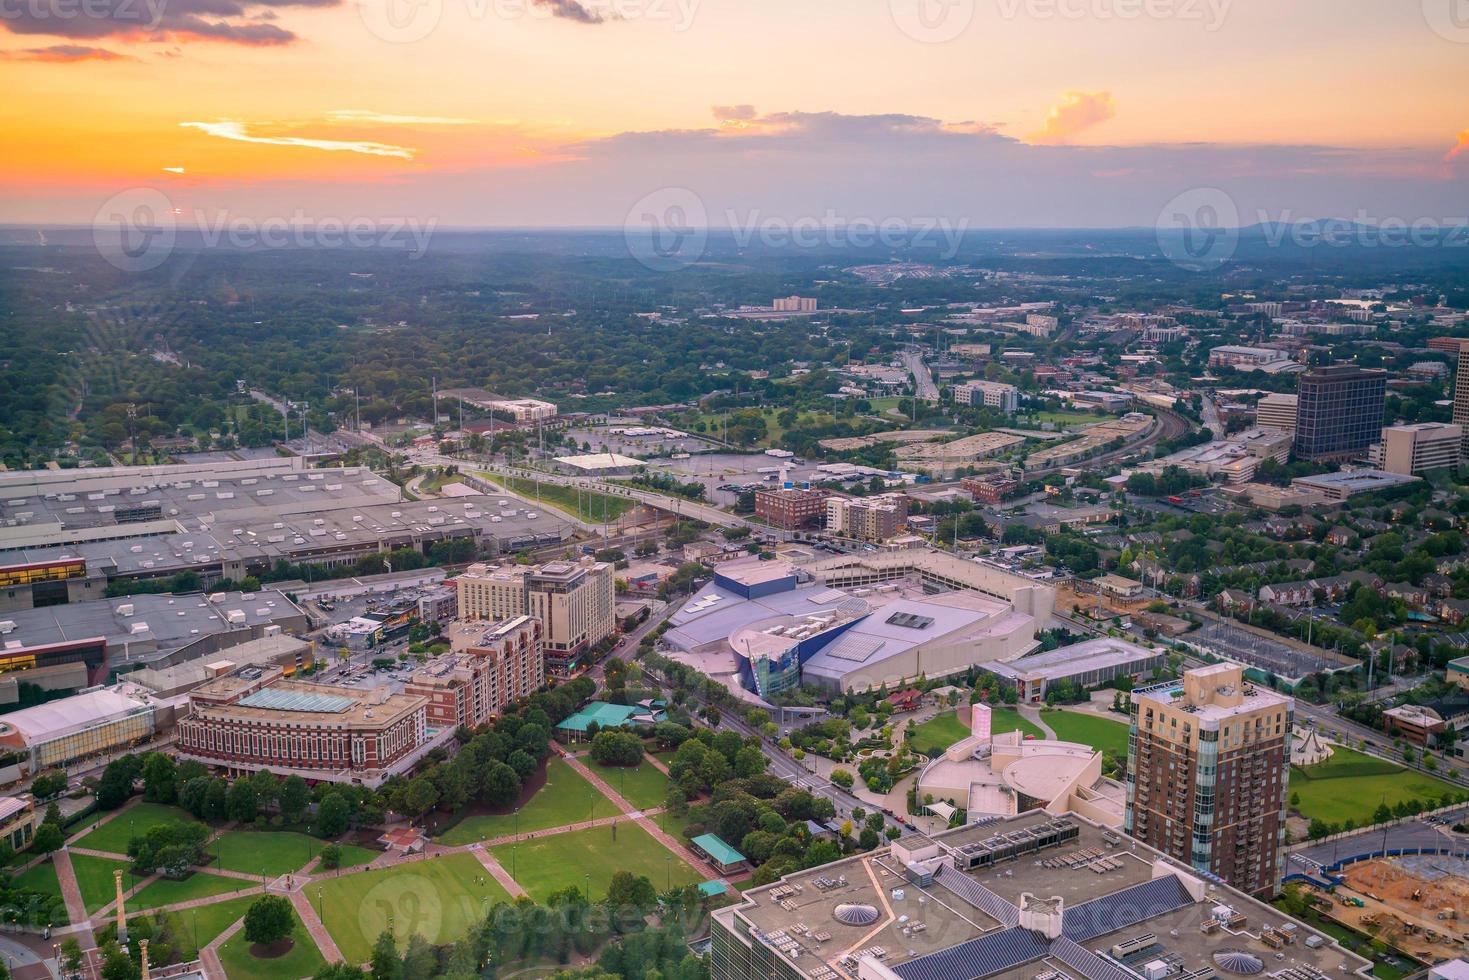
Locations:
314 927
496 869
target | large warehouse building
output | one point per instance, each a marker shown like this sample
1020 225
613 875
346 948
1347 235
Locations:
65 535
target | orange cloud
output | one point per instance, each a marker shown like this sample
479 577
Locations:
1078 111
65 53
1460 148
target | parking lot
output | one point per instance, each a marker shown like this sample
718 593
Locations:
718 471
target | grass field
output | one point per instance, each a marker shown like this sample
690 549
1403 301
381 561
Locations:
204 922
566 499
1100 733
273 852
304 960
438 898
200 884
115 835
548 864
42 878
94 879
566 798
354 856
643 786
942 731
1350 786
1061 418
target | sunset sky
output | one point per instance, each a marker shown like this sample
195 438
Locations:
554 112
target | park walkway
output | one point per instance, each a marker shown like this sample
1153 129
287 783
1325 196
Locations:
71 893
209 955
314 927
497 870
1032 714
667 840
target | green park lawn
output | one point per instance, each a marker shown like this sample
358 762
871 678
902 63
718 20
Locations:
272 852
355 857
942 731
565 798
42 878
200 884
1351 786
304 960
586 505
115 835
644 785
547 864
439 898
1100 733
203 923
95 881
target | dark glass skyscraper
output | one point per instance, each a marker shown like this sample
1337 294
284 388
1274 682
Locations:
1339 412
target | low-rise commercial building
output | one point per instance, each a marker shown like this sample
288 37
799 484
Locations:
791 508
1089 663
1346 484
991 394
1245 358
83 726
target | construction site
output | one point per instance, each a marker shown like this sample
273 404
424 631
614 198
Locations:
1418 904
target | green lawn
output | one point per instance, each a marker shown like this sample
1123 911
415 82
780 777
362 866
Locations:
41 878
547 864
200 884
942 731
438 898
206 922
644 786
273 852
115 835
1098 732
94 879
354 856
587 505
566 798
1351 785
304 960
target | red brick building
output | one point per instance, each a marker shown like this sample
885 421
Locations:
791 507
990 491
251 720
492 665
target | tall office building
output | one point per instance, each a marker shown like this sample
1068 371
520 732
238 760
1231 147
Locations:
1338 412
1206 774
1461 398
573 600
1418 448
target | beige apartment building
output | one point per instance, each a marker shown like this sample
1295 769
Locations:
1206 774
573 600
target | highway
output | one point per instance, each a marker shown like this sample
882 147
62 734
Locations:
923 384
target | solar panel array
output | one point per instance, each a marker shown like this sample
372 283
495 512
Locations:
1087 963
853 647
980 897
1125 908
980 957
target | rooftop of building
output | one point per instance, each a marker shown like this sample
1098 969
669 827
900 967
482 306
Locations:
1088 655
964 925
1355 481
1214 694
152 623
54 719
302 702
